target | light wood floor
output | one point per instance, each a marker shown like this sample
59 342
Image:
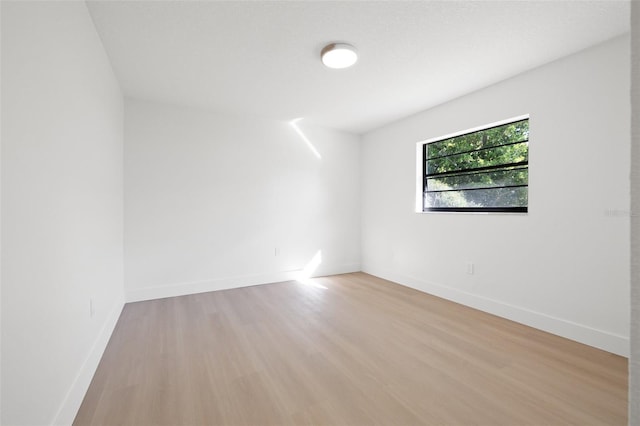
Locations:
360 351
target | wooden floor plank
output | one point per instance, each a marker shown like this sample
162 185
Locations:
349 349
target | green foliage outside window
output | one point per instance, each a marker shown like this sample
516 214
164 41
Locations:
487 168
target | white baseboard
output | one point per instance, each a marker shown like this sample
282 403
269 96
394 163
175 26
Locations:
600 339
72 401
182 289
324 271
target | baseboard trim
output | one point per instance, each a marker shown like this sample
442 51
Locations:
194 287
72 401
600 339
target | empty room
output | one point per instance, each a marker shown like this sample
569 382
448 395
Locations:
319 212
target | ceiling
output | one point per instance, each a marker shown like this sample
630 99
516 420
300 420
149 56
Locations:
261 58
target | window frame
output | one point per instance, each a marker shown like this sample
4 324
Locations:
421 187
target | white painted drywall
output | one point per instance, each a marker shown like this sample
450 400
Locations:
563 267
634 359
216 201
62 211
1 135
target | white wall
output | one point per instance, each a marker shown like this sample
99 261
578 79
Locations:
563 267
209 198
1 135
634 359
62 218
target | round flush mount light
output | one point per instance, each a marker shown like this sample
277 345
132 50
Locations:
338 55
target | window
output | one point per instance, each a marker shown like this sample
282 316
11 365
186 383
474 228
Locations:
484 170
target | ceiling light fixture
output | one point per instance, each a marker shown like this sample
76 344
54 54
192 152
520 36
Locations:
339 55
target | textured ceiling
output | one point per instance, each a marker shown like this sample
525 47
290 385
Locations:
262 58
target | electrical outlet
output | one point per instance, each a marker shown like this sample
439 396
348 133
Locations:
276 251
470 268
